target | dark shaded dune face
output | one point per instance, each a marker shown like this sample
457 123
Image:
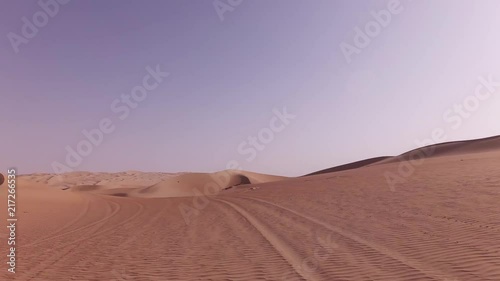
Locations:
241 180
85 188
244 180
350 166
120 194
435 150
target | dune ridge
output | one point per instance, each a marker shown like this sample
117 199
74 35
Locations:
443 223
151 185
349 166
449 149
199 184
463 147
157 185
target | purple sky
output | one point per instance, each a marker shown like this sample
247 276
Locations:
227 76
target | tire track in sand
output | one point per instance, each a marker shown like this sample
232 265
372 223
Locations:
60 252
74 221
287 252
431 272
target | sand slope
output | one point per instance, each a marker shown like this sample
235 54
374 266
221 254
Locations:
349 166
442 223
199 184
484 145
74 179
150 185
449 149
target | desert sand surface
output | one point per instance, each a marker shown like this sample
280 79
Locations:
441 223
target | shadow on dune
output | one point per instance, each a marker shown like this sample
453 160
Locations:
85 188
208 184
434 150
243 180
201 184
120 194
350 166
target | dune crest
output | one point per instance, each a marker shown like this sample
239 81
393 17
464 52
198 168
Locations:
151 185
453 148
198 184
449 149
441 223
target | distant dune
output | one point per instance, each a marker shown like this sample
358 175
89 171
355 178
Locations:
151 185
157 185
74 179
353 165
449 149
441 223
436 150
192 184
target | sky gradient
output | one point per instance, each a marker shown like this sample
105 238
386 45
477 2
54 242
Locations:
228 77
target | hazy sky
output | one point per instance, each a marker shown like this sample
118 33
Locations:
229 69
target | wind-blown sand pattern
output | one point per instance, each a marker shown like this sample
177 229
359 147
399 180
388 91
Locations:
443 223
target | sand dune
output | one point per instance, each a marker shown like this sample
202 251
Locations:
490 144
353 165
199 184
449 149
73 179
442 224
151 185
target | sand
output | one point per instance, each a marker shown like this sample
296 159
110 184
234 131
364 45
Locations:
441 223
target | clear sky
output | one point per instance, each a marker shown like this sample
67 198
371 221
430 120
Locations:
231 65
